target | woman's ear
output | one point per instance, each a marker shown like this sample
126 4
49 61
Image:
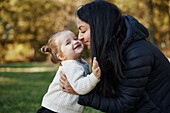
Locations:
60 56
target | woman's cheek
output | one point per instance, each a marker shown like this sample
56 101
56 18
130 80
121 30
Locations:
88 35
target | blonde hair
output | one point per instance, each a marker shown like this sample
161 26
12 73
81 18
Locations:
52 47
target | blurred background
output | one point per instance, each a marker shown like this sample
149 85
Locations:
26 25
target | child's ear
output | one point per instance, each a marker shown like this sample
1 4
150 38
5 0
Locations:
60 56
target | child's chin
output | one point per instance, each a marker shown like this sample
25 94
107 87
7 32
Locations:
80 50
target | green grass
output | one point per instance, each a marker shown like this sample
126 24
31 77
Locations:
22 92
24 65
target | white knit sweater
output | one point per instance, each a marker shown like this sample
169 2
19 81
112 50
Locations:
77 74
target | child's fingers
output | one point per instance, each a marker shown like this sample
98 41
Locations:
97 72
95 63
97 69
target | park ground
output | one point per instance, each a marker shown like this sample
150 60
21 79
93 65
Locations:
22 87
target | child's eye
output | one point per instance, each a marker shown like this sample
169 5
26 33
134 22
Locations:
67 43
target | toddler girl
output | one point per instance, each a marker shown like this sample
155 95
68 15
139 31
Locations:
65 48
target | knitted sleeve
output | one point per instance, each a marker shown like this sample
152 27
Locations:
82 85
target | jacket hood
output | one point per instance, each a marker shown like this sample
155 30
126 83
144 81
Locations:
135 31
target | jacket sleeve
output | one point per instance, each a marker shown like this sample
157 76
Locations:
82 85
129 89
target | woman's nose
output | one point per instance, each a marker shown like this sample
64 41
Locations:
80 37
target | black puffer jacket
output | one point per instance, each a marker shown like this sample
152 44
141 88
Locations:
146 86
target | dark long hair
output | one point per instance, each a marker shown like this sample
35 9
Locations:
107 33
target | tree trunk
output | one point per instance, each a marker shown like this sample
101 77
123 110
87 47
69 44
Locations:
152 27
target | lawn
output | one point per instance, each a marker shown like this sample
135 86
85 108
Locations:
22 92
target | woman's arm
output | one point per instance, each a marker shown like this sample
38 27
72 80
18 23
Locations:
128 93
124 101
130 88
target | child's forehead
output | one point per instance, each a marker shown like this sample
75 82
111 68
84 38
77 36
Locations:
66 36
68 33
63 37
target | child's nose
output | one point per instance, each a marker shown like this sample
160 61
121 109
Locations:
76 42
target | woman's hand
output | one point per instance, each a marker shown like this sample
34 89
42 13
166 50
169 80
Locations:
65 85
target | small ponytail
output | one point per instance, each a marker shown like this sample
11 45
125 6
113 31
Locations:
45 49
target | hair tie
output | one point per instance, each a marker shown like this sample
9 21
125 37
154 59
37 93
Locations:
48 49
45 49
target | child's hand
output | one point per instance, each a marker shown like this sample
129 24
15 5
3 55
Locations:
96 69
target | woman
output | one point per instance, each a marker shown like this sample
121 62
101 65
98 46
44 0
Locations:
135 74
